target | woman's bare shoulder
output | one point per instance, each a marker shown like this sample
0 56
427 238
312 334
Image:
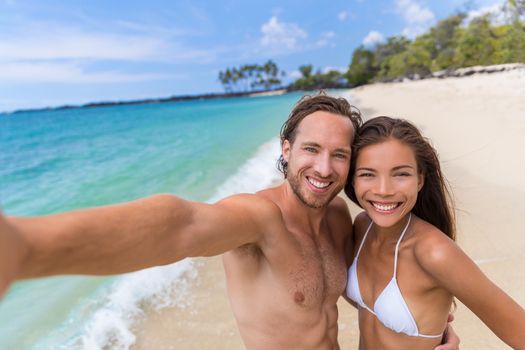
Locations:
433 249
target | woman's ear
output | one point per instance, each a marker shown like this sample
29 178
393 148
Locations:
420 181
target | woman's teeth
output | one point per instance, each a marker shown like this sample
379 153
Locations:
384 206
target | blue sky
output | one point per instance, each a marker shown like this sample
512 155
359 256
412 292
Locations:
72 52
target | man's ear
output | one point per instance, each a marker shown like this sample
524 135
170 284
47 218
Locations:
286 150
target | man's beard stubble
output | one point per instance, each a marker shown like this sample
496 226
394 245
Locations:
315 202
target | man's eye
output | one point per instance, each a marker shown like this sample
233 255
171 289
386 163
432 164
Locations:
310 149
340 155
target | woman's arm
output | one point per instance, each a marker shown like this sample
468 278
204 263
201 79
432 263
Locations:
452 269
351 244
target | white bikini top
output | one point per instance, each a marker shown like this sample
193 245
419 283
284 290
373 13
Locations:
390 307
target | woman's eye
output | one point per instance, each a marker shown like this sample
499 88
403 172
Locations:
365 175
402 174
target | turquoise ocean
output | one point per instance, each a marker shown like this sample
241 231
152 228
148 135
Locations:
57 160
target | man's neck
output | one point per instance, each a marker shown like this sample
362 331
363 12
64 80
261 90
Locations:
308 219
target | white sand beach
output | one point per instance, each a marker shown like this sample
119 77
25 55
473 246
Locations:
477 124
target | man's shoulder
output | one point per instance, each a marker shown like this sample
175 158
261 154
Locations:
339 218
257 205
338 209
360 223
362 220
267 215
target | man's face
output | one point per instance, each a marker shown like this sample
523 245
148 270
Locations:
319 158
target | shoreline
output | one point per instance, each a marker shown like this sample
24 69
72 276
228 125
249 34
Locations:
177 98
443 74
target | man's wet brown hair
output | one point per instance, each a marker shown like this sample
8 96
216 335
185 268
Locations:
434 201
309 104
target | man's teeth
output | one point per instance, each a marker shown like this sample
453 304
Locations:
318 184
384 207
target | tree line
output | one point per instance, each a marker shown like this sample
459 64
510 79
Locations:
251 77
449 45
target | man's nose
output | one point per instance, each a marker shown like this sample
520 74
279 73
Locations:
323 166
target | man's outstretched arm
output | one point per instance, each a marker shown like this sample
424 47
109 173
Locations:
13 250
153 231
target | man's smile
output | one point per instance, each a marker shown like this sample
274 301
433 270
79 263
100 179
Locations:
318 184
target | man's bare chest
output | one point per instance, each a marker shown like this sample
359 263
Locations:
316 272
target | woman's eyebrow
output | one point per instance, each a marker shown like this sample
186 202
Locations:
403 166
365 169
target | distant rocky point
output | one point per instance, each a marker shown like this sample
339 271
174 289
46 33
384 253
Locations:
155 100
462 72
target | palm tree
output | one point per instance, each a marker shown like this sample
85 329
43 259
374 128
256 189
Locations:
306 70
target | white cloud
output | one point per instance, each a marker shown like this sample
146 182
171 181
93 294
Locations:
417 17
79 46
413 12
496 14
69 72
53 52
280 35
294 74
325 39
343 16
327 69
47 41
373 38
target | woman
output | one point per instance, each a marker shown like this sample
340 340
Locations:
406 268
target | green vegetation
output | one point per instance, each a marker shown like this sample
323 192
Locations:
319 80
251 77
450 44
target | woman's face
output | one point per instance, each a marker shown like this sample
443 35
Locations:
387 181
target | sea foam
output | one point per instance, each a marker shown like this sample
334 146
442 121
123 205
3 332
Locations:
113 314
257 173
123 305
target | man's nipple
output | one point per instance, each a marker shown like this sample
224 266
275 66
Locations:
298 297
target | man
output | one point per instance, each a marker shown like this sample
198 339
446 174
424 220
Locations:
283 247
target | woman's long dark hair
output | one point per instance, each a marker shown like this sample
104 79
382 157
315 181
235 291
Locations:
434 202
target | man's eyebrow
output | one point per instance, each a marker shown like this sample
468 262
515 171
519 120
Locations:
343 150
309 143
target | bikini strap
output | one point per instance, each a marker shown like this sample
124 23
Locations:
364 238
399 241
